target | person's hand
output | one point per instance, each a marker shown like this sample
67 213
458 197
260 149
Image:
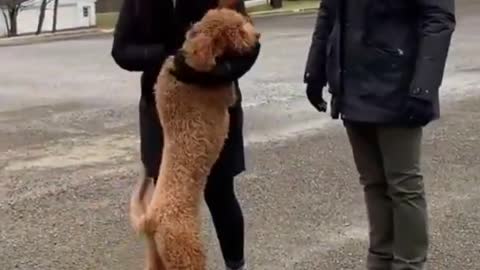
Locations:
419 111
315 96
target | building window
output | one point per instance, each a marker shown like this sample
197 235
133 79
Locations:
85 12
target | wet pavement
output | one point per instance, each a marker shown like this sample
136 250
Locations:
69 157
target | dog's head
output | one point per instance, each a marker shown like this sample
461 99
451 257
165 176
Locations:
219 32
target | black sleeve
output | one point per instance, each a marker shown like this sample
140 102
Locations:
227 70
437 23
315 66
126 51
232 68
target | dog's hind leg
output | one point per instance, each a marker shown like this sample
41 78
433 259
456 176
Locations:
182 247
140 199
153 260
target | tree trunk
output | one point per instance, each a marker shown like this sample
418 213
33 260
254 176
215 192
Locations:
276 3
41 17
55 9
12 13
7 22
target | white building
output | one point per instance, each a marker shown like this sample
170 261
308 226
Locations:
71 14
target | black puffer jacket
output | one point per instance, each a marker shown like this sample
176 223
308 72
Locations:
379 56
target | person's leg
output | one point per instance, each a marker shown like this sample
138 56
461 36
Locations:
151 138
220 196
227 218
401 158
368 160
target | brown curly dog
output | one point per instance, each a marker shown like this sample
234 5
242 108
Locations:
195 122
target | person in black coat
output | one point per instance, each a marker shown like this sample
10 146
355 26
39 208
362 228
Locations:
383 62
147 32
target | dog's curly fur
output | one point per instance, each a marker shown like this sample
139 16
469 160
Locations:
195 122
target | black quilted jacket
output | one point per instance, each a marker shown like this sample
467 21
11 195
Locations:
376 54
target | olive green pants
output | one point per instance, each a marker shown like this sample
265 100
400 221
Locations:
388 161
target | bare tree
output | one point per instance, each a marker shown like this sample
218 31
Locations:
55 11
11 9
41 17
5 18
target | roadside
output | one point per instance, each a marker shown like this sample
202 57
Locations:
106 23
50 37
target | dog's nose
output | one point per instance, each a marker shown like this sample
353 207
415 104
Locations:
257 35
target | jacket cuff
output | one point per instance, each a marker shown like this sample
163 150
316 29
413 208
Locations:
427 78
422 93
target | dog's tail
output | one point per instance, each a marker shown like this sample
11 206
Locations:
139 201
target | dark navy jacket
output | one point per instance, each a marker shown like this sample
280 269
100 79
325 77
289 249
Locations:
377 54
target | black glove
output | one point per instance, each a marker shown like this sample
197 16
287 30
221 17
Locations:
419 112
315 96
228 69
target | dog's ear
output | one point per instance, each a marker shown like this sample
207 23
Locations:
242 39
200 53
250 33
192 31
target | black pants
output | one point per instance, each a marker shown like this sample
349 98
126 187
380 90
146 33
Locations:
227 218
219 192
388 161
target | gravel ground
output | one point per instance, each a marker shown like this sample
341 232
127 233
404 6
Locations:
69 158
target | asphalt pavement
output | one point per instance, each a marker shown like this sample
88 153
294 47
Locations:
69 158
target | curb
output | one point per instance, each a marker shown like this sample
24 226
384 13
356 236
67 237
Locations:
18 41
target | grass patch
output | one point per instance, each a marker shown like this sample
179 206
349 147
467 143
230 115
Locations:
260 8
107 20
